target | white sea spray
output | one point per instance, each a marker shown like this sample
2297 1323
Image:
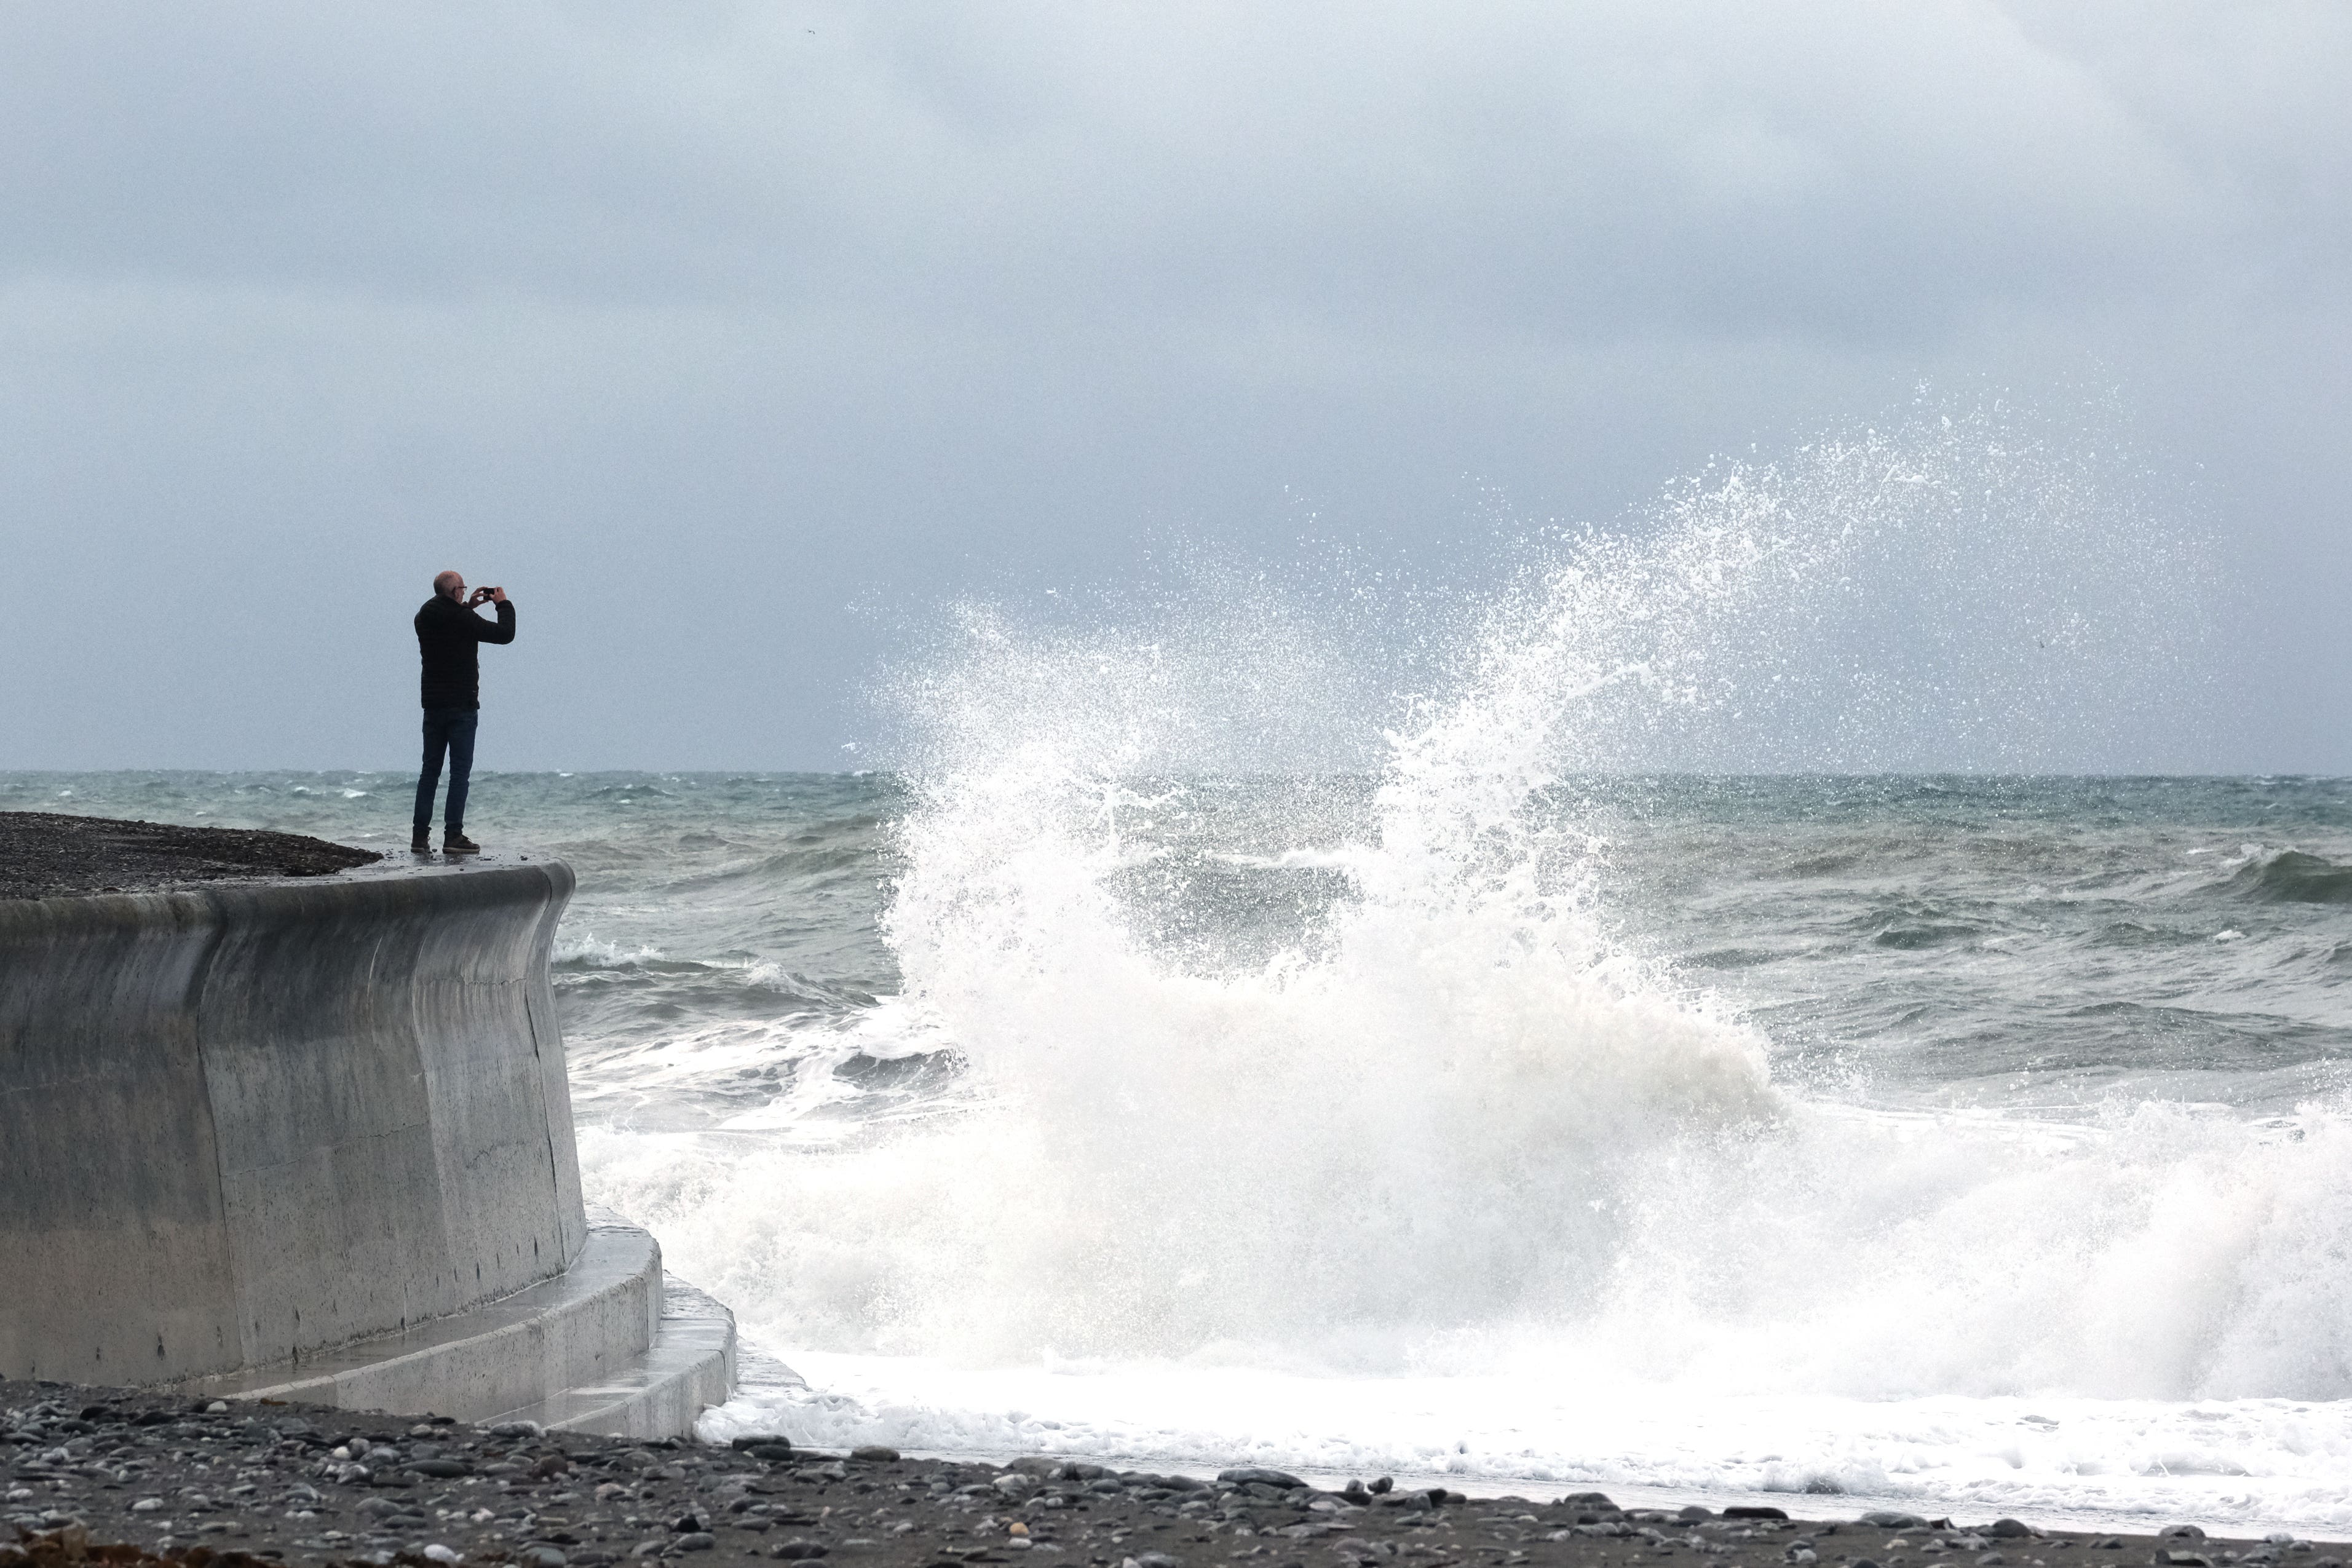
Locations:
1277 1056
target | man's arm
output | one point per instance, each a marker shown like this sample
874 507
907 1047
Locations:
504 631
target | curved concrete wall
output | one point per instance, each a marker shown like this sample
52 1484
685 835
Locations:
243 1123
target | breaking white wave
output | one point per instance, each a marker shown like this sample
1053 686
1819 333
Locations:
1448 1177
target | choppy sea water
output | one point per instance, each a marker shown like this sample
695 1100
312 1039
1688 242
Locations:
1975 1141
1578 1032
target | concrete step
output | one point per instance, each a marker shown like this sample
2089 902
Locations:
591 1327
689 1367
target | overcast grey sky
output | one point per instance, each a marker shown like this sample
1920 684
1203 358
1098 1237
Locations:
729 337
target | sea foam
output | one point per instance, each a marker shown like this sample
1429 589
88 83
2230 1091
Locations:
1458 1180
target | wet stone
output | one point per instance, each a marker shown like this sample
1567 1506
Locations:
1277 1478
251 1487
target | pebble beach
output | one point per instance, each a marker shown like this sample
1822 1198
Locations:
126 1476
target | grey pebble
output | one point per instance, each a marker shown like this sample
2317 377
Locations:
1263 1477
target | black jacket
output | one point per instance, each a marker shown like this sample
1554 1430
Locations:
447 633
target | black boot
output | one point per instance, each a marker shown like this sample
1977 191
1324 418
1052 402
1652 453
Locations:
458 844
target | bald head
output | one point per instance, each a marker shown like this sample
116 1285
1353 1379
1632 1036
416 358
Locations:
449 585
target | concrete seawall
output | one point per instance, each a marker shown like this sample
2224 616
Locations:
243 1126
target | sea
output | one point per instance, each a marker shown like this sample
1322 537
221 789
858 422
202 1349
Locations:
1693 1022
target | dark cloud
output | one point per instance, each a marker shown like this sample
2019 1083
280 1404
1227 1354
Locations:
697 325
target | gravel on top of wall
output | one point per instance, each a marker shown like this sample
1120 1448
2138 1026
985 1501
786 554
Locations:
46 855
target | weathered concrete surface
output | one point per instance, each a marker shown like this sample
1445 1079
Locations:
241 1124
689 1367
603 1347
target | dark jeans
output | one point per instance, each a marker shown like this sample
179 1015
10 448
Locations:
450 729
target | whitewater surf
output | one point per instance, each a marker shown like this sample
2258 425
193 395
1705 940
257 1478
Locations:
1693 1017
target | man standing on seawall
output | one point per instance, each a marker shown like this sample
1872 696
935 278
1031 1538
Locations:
449 636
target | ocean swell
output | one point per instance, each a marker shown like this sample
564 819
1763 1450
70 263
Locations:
1363 1081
